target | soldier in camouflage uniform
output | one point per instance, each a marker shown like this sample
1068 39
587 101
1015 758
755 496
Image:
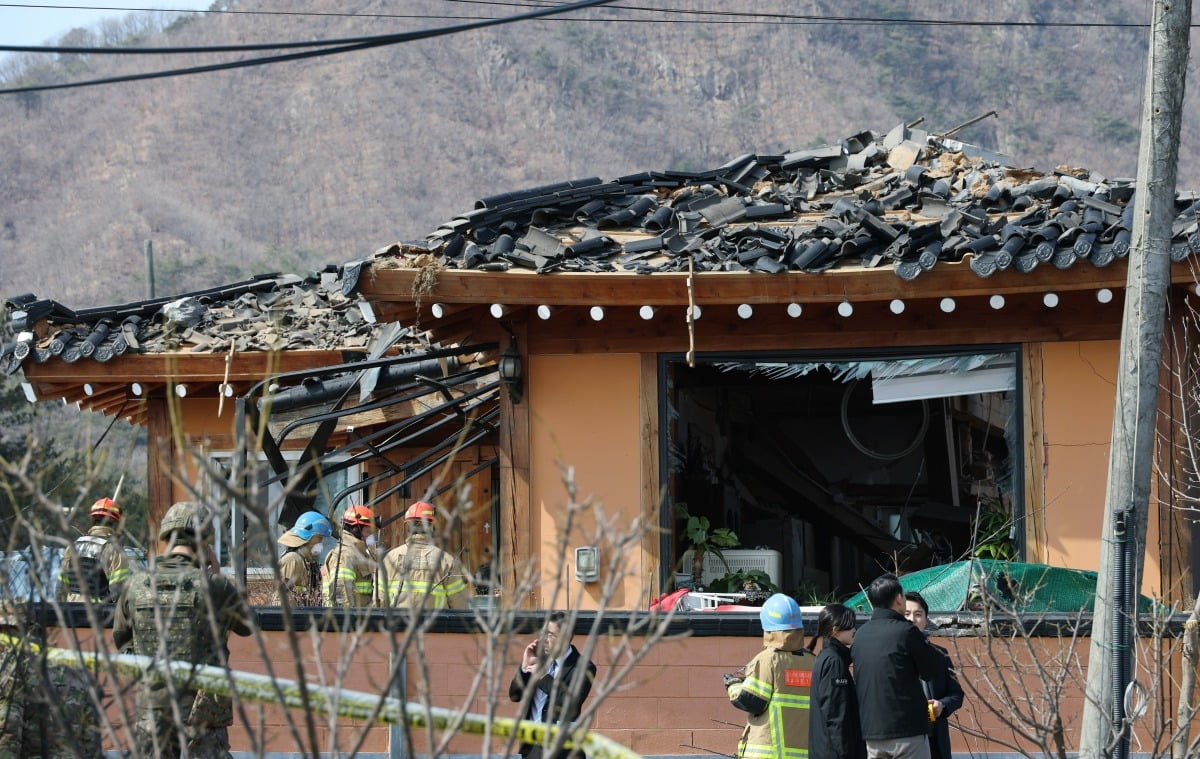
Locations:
299 573
48 711
183 610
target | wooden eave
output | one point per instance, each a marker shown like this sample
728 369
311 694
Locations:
109 387
458 308
384 286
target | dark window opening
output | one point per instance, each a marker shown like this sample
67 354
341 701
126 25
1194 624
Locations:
847 465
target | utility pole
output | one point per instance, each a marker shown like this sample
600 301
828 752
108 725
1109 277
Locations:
148 248
1127 500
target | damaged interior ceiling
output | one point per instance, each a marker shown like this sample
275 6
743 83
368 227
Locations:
800 457
426 406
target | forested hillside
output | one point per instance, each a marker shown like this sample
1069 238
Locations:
294 165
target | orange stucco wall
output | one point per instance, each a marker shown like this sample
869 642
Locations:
584 415
1079 386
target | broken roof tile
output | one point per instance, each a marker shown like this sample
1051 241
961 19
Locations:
909 198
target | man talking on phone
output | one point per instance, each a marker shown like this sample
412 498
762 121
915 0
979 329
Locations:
560 679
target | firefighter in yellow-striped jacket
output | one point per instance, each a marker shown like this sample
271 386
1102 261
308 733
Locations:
348 576
774 687
419 574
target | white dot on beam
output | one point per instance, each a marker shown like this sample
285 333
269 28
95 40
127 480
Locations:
544 312
948 305
897 306
1050 299
696 312
438 310
227 390
794 310
137 389
181 391
88 389
497 310
646 312
996 302
597 313
845 308
1104 295
745 311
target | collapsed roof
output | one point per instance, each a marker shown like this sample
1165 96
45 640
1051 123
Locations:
909 199
269 312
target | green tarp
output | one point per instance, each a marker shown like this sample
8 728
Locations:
1021 588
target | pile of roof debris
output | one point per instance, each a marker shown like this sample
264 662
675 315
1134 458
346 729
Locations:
909 200
267 313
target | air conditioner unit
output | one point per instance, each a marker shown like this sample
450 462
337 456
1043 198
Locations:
765 560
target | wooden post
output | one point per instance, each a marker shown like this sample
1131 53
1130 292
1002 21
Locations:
160 461
1131 458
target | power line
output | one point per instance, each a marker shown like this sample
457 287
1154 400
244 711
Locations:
380 41
709 17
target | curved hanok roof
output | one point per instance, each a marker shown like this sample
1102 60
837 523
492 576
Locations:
216 341
908 214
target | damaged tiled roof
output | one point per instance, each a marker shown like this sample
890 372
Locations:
909 200
269 312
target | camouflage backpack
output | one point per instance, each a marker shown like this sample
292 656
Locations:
169 609
92 579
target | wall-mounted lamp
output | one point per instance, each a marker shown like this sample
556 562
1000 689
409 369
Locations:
587 563
511 371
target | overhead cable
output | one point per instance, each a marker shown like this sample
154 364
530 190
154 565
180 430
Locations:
379 41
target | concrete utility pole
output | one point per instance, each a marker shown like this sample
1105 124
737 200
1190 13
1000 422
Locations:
1131 459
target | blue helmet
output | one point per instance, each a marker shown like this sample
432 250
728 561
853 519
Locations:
780 612
312 523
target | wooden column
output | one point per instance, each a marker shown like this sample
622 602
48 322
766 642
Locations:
1034 426
1178 423
653 490
160 463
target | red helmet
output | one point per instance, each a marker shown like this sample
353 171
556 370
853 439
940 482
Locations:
106 507
420 511
358 515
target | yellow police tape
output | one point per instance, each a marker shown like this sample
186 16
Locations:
344 703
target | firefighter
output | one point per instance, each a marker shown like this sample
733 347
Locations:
419 574
95 566
774 687
299 573
349 572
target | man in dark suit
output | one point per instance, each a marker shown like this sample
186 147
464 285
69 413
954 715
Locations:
554 681
943 691
890 658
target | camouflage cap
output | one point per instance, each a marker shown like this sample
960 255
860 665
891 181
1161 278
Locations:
189 518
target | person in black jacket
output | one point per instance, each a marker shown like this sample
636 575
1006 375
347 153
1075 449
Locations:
833 727
561 680
891 657
944 693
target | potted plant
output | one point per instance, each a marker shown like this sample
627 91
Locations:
703 537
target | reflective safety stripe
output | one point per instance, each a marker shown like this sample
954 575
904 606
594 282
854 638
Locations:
120 575
364 588
457 585
758 751
757 687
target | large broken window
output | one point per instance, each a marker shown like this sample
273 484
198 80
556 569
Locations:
849 465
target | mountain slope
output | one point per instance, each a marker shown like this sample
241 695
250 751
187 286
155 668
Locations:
292 166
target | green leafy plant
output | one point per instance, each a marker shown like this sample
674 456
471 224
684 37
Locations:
992 530
703 537
753 580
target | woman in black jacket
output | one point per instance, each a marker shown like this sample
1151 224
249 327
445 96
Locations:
834 731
